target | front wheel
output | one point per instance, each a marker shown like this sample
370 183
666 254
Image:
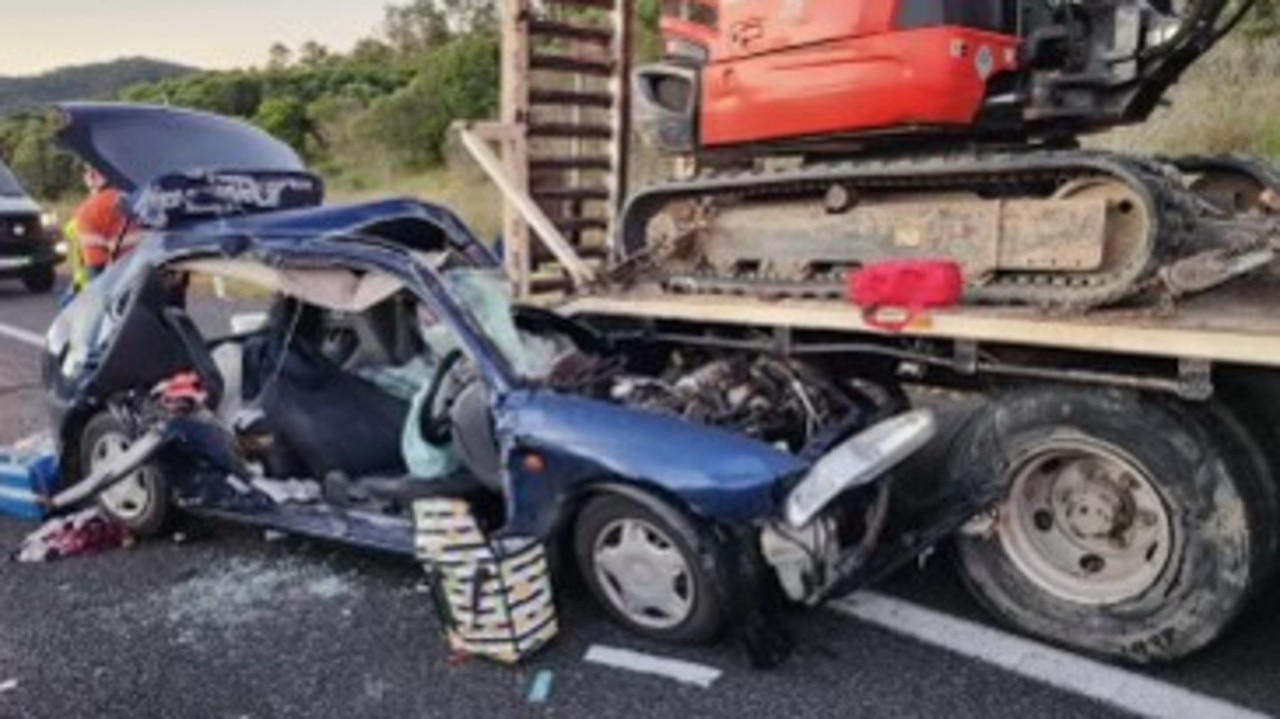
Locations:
1135 527
139 502
643 567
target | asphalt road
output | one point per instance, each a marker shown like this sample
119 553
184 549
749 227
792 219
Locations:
230 625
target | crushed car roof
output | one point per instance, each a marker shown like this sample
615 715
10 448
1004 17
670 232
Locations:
407 224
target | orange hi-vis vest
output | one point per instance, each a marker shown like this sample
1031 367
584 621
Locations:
104 231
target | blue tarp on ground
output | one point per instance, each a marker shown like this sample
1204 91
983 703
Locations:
28 474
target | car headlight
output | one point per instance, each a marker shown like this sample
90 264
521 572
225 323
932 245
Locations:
858 461
49 220
61 248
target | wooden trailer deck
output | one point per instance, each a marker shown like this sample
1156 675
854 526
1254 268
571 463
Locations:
1235 324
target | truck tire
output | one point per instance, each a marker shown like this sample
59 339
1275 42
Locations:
39 280
643 567
141 502
1136 528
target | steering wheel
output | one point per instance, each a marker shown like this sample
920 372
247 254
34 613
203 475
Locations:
434 422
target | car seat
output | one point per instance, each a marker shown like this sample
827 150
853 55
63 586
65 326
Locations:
332 420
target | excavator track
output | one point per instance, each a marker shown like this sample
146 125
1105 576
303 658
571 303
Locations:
1234 183
1070 230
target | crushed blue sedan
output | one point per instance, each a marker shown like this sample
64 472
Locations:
695 491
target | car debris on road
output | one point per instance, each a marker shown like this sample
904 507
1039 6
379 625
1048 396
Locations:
88 531
540 687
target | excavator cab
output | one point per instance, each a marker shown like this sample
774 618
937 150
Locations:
755 77
781 70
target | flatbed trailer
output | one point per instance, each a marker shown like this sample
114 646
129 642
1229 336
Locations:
1137 448
1236 325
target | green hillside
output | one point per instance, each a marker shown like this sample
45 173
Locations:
100 80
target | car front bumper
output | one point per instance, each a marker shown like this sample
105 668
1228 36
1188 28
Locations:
18 258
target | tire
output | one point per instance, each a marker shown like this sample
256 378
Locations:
697 615
140 503
1137 527
40 280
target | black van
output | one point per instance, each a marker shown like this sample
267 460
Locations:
28 249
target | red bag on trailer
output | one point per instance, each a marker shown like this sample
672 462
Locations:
906 287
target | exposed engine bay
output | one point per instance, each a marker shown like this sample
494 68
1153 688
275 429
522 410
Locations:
782 402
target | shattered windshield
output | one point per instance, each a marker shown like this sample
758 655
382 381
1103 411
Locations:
486 295
9 185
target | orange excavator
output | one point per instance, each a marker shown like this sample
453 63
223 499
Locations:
836 133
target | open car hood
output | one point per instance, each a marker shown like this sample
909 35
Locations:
135 145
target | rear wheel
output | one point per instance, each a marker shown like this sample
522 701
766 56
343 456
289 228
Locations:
141 501
39 280
1135 527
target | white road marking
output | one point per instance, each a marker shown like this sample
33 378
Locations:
681 671
26 337
1063 670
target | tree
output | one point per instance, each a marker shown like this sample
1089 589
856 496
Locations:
466 17
371 51
416 27
313 54
287 118
281 57
458 80
27 143
238 93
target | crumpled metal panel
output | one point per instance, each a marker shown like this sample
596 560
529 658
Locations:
719 475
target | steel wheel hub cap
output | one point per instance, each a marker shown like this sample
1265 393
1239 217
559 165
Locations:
130 498
1085 523
643 574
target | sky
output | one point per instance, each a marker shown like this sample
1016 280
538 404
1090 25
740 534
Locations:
38 35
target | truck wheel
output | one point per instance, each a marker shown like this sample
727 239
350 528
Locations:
643 569
1134 528
40 280
140 502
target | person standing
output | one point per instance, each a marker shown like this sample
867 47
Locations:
75 262
102 229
